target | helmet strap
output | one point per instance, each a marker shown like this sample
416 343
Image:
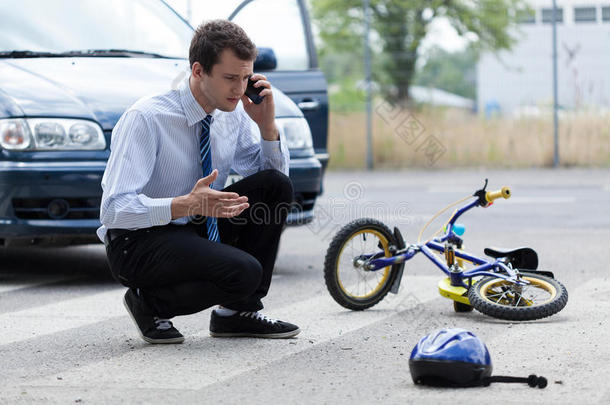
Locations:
533 381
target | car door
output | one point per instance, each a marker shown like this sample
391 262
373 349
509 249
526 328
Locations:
285 27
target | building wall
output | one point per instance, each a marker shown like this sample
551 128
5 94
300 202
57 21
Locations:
520 80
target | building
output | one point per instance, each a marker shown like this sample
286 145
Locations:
520 81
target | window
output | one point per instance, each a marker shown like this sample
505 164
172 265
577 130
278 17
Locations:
585 14
277 24
66 25
606 14
526 16
547 15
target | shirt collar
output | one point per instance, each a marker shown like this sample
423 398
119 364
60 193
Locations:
192 109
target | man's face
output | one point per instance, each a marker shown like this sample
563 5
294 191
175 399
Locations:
227 81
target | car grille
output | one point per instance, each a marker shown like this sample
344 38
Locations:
57 208
89 208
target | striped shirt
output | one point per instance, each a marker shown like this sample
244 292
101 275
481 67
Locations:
154 157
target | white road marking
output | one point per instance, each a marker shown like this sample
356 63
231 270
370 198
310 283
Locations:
562 351
542 200
47 319
10 285
516 200
6 287
450 189
202 360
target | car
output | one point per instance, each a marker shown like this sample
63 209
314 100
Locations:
67 74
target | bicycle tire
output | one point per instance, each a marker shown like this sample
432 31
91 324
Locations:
483 302
331 264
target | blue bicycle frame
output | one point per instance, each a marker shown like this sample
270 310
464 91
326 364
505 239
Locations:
483 267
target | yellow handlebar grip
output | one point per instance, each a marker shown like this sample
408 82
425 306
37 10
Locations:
493 195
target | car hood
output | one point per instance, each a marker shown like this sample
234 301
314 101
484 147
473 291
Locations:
99 89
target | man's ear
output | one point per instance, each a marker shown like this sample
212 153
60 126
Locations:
197 70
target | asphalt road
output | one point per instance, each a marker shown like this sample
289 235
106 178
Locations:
65 337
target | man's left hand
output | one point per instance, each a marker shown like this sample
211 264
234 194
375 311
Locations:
264 113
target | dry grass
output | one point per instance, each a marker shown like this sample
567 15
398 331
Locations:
449 138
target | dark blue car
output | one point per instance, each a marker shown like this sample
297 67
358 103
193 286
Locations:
69 69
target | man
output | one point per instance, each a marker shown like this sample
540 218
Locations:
172 236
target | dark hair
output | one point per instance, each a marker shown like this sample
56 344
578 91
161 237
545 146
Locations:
213 37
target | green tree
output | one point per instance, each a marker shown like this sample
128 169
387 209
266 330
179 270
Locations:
399 26
454 72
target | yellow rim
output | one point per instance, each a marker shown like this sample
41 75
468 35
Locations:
491 291
385 271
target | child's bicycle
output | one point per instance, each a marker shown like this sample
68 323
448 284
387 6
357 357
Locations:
365 261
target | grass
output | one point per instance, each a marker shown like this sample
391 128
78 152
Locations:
447 138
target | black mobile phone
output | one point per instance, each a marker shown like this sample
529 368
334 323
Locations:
253 92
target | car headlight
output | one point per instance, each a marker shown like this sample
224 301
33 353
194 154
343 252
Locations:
32 134
297 132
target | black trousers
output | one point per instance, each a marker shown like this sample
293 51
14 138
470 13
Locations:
180 272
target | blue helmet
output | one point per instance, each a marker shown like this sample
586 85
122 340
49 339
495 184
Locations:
450 357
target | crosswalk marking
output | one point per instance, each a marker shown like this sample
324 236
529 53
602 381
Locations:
202 360
449 189
52 318
6 287
12 285
522 199
542 200
586 309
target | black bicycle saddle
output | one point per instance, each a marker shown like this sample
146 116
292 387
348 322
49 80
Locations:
521 258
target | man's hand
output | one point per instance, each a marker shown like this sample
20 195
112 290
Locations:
264 113
204 200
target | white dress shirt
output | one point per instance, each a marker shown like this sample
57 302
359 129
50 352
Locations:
154 157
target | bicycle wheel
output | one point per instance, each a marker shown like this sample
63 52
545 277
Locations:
459 307
496 297
349 284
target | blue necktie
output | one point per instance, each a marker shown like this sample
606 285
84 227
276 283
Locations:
206 164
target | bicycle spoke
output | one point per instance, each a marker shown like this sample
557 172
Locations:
357 281
519 300
511 295
366 283
502 296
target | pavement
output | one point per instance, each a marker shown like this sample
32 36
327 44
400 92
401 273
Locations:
66 338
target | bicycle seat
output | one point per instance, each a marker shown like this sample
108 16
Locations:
521 258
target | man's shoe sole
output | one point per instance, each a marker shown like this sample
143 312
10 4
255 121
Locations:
284 335
147 339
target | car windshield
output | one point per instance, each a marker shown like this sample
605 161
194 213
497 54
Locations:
59 26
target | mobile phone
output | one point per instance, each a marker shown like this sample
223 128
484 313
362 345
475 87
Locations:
253 92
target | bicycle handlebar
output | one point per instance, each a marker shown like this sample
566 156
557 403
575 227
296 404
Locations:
484 199
494 195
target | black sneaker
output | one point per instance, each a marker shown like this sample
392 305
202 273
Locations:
151 328
251 324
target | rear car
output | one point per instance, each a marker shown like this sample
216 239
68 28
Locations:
68 70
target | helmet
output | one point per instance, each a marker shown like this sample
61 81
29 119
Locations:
450 357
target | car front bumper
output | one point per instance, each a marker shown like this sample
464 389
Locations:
58 203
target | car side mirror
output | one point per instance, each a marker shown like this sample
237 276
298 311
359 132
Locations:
265 60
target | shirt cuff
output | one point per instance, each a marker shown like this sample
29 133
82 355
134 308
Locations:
160 209
271 148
